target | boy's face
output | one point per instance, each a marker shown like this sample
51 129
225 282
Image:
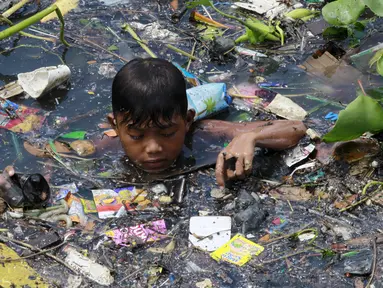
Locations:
151 148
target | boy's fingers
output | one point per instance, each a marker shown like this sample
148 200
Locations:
220 170
248 164
10 170
239 168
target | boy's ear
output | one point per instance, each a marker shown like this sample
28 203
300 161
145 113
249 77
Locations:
112 121
190 118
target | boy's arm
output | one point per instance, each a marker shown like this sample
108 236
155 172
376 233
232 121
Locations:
279 134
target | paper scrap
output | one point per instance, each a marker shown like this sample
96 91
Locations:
298 154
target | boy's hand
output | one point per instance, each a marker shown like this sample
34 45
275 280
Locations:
242 148
4 184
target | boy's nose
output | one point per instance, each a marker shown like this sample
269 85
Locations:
153 147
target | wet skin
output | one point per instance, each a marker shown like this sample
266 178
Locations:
155 149
151 148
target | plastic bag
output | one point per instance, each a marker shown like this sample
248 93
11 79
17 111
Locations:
208 99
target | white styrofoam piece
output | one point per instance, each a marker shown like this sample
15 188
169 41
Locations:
216 229
43 80
259 7
286 108
87 267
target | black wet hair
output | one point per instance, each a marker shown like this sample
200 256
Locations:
149 92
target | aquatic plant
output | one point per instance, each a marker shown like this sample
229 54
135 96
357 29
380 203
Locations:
256 30
32 20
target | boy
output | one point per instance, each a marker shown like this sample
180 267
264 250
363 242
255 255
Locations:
151 118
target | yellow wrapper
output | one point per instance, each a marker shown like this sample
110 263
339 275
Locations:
238 251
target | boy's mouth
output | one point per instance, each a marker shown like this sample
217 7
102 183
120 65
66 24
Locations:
155 164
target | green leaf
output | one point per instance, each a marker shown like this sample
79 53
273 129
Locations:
376 6
364 114
209 32
78 135
343 12
378 55
379 66
112 48
338 33
193 4
360 26
53 146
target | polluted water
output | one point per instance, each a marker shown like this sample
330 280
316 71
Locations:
306 216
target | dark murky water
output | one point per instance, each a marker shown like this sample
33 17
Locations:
85 103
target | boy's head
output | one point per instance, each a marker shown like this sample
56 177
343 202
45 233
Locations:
150 112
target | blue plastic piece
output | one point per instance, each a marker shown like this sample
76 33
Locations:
331 116
271 84
207 99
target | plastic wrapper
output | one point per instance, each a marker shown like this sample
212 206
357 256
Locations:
238 251
139 234
19 118
208 99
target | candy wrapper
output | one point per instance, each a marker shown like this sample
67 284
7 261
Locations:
109 202
208 99
139 234
238 251
76 211
19 118
60 192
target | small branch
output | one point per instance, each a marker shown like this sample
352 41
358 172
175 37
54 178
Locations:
360 201
192 53
285 256
32 255
103 49
373 263
6 239
369 184
134 35
361 87
178 50
14 8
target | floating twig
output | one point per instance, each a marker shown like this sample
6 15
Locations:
14 8
370 184
361 87
286 256
103 49
192 53
32 255
178 50
134 35
373 263
6 239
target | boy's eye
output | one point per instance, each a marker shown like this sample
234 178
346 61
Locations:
134 137
169 134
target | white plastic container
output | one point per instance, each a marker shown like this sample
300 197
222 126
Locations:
43 80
